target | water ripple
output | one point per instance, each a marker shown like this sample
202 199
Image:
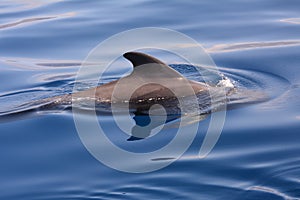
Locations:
32 20
291 20
251 45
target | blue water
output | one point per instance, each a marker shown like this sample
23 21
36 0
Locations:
255 43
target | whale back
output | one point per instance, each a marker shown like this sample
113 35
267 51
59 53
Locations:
150 79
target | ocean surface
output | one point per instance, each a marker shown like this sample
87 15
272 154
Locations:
255 44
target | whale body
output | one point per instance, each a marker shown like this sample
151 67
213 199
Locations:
153 82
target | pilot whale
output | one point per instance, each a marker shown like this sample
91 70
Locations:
151 82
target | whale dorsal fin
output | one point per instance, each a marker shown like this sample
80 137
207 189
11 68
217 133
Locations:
137 59
158 69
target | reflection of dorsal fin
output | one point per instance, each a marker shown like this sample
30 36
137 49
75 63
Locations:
137 59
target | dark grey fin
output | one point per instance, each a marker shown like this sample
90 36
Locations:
137 59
